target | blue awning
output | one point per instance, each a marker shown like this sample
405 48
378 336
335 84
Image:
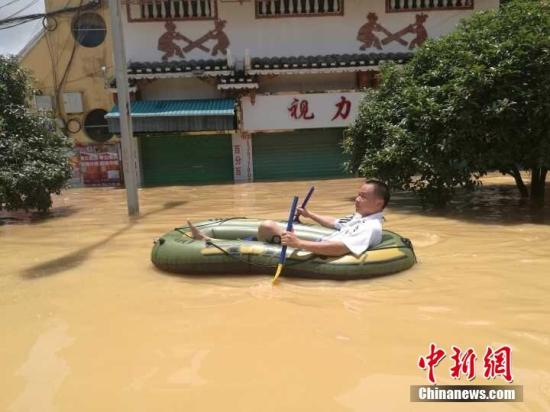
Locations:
177 115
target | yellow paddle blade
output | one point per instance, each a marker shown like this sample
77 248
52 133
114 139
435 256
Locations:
279 270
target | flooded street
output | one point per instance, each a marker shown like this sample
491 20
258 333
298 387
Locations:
87 323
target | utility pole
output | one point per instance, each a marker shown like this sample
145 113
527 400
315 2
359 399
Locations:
126 133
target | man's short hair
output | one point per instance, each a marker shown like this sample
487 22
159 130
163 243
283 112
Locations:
380 189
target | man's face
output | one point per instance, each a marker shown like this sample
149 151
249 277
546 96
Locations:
366 202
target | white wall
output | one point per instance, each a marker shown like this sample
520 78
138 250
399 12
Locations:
178 89
308 82
290 36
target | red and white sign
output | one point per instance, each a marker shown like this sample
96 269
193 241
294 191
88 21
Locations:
242 157
100 165
300 111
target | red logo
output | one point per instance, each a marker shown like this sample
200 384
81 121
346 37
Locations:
431 361
496 362
464 362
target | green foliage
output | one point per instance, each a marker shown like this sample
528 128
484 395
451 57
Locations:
474 100
14 83
33 154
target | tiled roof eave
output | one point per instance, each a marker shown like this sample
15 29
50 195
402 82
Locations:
333 63
175 75
238 86
314 70
175 69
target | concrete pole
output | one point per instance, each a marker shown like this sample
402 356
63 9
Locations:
126 133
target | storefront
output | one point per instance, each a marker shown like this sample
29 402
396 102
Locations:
301 154
182 141
173 159
299 136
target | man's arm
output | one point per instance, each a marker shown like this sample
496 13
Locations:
325 247
326 221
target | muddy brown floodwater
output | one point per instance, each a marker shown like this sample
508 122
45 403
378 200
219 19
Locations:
88 324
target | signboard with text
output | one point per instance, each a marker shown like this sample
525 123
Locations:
300 111
100 165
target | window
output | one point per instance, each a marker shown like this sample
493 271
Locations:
96 127
148 10
393 6
298 8
89 29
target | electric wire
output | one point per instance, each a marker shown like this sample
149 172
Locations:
9 3
25 19
32 3
89 74
73 52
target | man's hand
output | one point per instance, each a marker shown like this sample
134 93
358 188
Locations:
290 239
303 212
325 247
326 221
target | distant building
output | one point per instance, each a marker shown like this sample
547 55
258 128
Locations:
239 90
71 62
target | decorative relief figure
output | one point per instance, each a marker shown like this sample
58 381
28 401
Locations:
420 31
167 43
368 38
366 33
219 35
416 28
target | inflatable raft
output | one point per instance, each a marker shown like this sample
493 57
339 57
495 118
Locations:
232 250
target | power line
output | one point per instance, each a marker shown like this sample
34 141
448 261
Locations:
16 24
8 3
24 19
32 3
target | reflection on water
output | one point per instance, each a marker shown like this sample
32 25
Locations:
87 323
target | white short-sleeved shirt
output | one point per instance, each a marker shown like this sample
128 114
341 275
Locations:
358 233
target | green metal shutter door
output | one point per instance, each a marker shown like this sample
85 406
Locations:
298 155
172 160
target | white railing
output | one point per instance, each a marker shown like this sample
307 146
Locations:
146 10
418 5
298 8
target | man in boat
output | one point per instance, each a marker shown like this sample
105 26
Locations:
354 233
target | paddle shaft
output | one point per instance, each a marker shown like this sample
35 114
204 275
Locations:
290 221
304 203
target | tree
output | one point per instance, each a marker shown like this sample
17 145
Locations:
34 156
475 100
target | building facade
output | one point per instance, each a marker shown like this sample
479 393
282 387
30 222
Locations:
71 63
262 89
232 90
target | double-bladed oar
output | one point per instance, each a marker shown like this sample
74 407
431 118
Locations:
304 203
282 257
